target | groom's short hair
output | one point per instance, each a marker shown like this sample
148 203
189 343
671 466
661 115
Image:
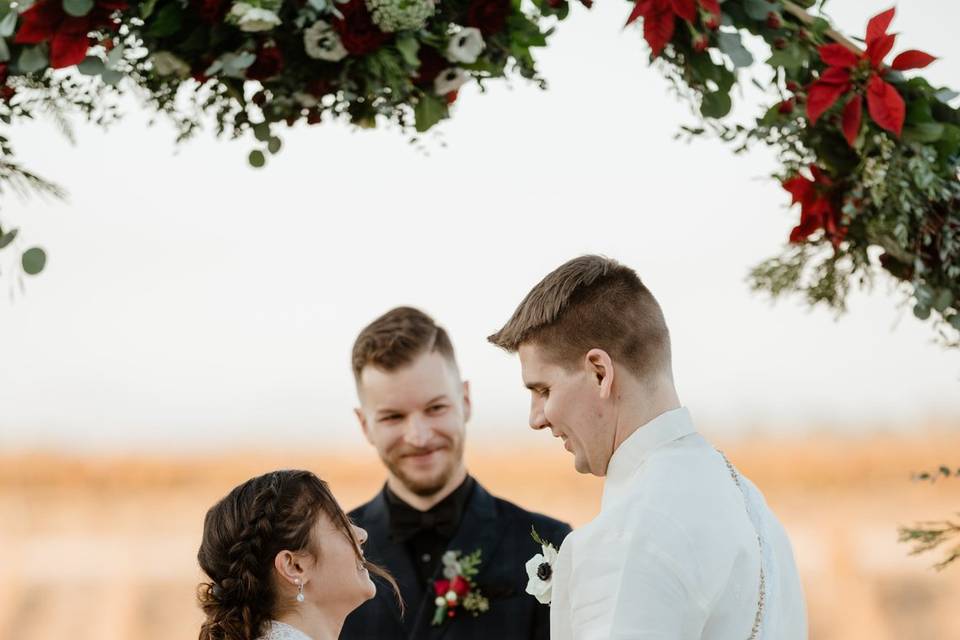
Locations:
397 338
591 302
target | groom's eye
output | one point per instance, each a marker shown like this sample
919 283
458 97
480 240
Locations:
437 408
391 418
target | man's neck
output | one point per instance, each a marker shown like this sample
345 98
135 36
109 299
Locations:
425 503
641 405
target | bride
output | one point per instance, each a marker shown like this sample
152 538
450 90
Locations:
284 562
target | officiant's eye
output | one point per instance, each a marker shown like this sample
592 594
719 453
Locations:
436 409
393 417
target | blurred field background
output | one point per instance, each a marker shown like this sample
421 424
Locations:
104 547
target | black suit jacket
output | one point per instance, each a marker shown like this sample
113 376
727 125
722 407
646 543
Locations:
502 530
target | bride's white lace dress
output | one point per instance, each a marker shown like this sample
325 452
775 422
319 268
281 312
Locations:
282 631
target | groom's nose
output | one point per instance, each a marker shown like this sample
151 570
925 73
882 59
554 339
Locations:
537 419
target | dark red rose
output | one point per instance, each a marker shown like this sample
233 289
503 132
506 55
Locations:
431 64
356 29
786 107
319 87
269 63
4 73
210 11
489 16
7 93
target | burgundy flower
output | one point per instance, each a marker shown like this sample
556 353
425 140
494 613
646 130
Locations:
489 16
210 11
4 73
269 63
46 21
356 29
431 64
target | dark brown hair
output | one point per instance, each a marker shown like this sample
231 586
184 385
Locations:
243 533
397 338
591 302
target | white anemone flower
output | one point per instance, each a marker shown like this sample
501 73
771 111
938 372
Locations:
449 80
322 42
540 574
466 46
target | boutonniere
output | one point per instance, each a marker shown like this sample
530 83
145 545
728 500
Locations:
457 589
540 570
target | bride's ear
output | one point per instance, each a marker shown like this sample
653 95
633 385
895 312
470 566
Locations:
289 567
600 366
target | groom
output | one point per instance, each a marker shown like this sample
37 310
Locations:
684 547
413 409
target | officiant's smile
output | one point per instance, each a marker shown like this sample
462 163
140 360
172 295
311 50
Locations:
416 418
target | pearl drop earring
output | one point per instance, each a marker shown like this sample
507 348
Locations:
300 597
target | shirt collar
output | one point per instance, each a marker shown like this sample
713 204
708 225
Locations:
662 430
449 510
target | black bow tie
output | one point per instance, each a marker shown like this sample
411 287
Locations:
406 522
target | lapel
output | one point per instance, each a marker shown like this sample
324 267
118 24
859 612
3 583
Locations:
478 530
394 557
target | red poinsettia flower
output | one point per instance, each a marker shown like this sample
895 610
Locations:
847 70
659 18
46 21
817 208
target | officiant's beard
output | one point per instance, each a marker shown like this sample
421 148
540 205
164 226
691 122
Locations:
431 484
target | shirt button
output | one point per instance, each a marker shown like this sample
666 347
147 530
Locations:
425 557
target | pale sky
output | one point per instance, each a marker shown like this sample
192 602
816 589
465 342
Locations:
192 302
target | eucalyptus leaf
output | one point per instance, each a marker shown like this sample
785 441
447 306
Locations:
758 9
4 51
33 261
261 131
8 24
408 46
943 300
33 59
732 45
167 21
922 312
146 8
257 159
112 76
7 238
115 56
429 111
91 66
955 321
924 132
274 145
791 58
946 95
77 8
716 104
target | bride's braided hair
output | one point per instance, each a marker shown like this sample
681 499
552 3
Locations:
243 533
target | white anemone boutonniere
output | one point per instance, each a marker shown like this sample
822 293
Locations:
540 570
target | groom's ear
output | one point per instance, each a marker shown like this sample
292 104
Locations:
467 405
600 366
362 419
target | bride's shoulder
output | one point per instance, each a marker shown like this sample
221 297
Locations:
282 631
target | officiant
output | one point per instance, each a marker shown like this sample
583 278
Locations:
457 552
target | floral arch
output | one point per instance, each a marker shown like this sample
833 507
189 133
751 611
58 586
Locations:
869 149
